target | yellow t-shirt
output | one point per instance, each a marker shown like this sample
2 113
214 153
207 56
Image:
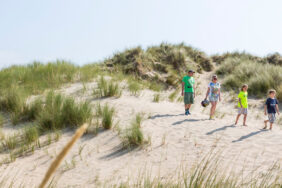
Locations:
243 96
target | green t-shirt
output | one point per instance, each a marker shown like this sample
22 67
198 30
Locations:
243 96
188 84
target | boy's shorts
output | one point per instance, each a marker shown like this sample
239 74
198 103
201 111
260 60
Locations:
188 98
242 110
271 117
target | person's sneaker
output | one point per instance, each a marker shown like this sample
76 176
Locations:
187 112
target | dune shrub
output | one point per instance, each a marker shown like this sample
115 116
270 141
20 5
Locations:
10 142
156 97
134 87
31 134
106 114
59 112
107 88
2 119
35 78
275 59
260 77
173 95
133 136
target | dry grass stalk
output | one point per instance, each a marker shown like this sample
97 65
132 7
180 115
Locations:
62 155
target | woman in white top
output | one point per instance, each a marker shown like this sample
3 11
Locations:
213 93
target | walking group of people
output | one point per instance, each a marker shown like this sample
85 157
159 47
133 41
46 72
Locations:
213 96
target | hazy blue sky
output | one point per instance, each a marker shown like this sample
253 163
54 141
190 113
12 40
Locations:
89 30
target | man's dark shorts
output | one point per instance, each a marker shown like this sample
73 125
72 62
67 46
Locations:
188 98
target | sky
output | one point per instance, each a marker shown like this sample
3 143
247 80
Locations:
88 31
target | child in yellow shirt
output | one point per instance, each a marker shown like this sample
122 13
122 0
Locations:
243 104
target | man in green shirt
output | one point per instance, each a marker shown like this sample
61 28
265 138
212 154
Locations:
188 90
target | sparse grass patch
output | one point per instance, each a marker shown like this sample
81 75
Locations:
106 113
90 71
31 134
133 135
60 112
35 78
107 88
155 86
134 88
10 142
137 120
156 97
173 95
260 77
2 119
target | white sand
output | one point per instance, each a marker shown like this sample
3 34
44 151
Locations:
175 139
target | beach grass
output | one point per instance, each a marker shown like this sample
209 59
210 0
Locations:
260 77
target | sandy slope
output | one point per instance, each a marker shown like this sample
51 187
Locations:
175 139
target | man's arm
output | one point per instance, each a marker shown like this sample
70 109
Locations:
219 94
182 91
194 89
207 94
265 109
277 109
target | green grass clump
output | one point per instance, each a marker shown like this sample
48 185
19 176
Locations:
107 88
75 114
133 136
13 101
156 97
208 173
259 77
90 71
60 112
106 113
32 110
275 58
10 142
134 88
279 92
31 134
173 95
35 78
2 119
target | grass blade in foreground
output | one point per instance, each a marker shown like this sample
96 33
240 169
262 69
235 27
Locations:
63 153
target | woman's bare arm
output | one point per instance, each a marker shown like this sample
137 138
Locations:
207 94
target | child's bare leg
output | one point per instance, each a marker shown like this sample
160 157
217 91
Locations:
270 126
245 118
265 124
237 118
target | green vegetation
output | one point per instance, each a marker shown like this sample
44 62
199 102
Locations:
156 97
133 136
10 142
173 95
106 114
31 134
107 88
259 76
275 59
164 64
60 112
208 173
134 87
1 120
36 77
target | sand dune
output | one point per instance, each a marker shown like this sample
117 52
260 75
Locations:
176 139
